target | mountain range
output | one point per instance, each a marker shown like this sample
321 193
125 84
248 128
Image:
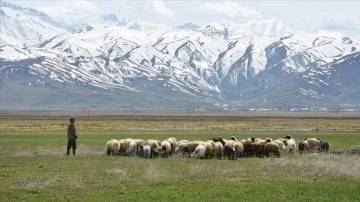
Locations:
107 63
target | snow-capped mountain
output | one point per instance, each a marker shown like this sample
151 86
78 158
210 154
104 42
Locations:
129 64
273 27
26 26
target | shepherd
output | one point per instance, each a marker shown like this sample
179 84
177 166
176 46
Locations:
72 136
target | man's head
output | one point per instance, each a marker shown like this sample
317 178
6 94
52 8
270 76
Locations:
72 120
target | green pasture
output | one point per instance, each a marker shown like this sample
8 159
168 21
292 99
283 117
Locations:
34 166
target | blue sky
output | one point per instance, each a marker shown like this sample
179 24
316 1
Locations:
340 16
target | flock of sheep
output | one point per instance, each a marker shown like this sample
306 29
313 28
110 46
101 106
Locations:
216 147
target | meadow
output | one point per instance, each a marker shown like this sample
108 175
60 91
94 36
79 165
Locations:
34 166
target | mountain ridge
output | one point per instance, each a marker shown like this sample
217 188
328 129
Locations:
264 64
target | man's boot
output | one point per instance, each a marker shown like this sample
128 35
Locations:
73 151
68 152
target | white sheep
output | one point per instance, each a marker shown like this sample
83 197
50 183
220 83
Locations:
218 149
291 143
239 149
145 151
281 145
181 141
191 146
128 147
122 147
139 141
112 147
200 151
180 147
230 143
172 141
209 149
165 149
155 147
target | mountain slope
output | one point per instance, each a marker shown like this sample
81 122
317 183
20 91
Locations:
130 65
26 26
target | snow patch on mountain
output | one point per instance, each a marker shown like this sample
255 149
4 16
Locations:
240 63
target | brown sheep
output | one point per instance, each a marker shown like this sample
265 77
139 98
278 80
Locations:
303 145
112 147
262 141
256 148
191 146
271 147
314 144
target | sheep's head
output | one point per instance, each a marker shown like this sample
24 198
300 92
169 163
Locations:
268 140
288 137
215 139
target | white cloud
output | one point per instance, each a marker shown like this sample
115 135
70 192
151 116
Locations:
64 8
161 9
78 5
230 9
82 5
341 20
148 8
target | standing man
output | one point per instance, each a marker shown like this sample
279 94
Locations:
71 135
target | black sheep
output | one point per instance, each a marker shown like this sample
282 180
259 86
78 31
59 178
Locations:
229 152
324 147
248 150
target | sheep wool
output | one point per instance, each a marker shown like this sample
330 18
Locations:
191 146
165 149
209 149
131 148
291 143
314 144
303 145
200 152
239 148
229 152
218 149
281 145
146 151
180 147
155 147
272 147
112 147
172 141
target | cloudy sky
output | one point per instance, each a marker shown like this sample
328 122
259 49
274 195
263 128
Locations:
341 16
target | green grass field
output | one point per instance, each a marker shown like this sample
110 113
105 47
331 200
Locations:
34 166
